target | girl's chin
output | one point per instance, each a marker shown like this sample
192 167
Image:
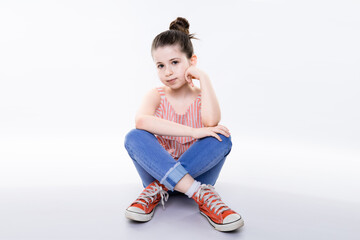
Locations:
177 84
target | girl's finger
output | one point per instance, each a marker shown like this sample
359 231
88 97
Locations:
223 129
227 131
223 132
190 82
216 136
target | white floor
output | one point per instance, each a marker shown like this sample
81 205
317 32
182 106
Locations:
78 188
97 212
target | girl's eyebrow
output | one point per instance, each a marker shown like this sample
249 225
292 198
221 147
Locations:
170 59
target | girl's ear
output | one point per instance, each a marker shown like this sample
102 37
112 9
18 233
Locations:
193 60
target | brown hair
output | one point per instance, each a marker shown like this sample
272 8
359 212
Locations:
178 33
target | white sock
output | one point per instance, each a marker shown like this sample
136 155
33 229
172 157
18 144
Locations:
193 188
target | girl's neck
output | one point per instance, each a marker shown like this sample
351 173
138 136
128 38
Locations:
181 92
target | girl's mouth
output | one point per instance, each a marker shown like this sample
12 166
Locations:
171 81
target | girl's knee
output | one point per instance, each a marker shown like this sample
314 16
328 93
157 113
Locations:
134 135
130 135
225 144
226 141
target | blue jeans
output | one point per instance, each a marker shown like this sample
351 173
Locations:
203 160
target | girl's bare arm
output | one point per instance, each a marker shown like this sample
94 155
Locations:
146 120
164 127
210 109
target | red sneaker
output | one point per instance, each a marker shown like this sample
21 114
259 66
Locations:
142 209
220 216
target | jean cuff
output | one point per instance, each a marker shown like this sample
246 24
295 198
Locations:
173 176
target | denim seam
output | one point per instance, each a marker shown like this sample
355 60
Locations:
173 175
169 171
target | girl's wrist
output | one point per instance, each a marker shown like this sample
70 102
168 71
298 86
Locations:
192 132
203 77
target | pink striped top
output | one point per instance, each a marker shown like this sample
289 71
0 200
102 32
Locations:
176 146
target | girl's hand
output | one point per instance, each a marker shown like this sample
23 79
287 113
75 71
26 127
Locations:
211 131
192 73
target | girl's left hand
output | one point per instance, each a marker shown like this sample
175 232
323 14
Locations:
192 73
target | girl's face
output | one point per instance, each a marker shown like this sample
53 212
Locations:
171 65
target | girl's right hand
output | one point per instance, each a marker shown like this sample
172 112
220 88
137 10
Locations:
211 131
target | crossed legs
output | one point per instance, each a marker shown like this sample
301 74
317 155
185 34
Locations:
202 161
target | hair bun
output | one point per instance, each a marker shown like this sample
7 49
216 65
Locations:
180 24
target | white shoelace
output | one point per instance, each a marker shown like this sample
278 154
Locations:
212 198
149 195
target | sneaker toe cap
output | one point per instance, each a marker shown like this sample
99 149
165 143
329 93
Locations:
232 218
135 209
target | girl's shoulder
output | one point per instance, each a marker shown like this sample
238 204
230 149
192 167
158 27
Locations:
153 96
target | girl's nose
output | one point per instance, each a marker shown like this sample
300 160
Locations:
169 72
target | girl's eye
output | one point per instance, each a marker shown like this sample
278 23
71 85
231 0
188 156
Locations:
161 65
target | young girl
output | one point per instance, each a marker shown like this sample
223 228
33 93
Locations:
178 144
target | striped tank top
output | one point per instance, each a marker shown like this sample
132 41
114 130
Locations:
176 146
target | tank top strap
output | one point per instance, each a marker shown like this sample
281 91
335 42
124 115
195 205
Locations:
161 92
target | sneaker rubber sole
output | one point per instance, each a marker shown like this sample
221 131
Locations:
225 227
139 217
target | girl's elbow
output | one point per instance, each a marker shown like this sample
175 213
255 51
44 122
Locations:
139 122
210 123
211 120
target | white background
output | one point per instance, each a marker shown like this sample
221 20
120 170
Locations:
286 74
